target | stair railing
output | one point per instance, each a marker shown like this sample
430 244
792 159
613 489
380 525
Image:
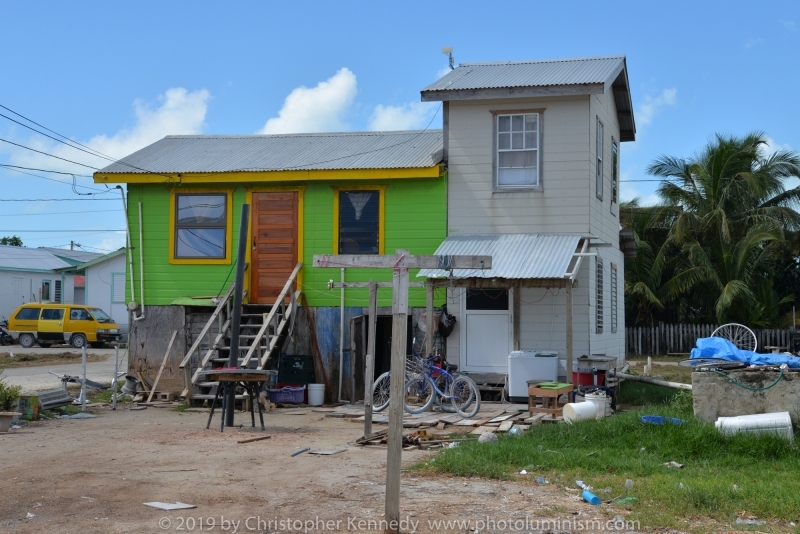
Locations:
271 319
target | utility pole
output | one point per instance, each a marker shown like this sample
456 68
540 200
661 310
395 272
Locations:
236 314
400 264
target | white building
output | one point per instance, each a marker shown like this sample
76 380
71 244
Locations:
532 152
30 275
105 286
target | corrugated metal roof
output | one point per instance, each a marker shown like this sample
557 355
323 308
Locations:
541 73
34 259
78 255
322 151
514 256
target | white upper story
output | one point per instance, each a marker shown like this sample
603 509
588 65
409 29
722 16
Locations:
533 147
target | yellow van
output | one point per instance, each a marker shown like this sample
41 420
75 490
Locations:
76 324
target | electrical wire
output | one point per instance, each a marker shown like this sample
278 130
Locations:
46 154
55 199
73 184
55 213
81 230
45 170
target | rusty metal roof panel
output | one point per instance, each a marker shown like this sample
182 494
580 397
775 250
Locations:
320 151
514 256
542 73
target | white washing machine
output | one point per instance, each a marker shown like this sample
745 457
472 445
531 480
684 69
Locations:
524 365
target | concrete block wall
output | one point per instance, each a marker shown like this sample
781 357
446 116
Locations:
715 396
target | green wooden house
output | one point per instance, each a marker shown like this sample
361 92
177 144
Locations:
365 193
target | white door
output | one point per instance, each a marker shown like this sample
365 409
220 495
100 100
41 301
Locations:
485 331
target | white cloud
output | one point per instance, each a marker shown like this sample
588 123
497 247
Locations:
750 43
771 147
180 112
114 241
320 109
443 71
653 105
410 116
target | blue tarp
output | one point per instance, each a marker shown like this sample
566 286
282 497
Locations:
717 347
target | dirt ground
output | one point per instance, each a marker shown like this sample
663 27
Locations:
93 476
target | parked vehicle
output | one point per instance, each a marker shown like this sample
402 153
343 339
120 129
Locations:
75 324
5 337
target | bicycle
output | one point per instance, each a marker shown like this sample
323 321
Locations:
424 383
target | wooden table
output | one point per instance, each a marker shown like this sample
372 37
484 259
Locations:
252 380
549 397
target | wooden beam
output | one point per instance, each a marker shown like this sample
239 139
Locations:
429 321
369 371
354 285
401 261
163 364
569 332
396 385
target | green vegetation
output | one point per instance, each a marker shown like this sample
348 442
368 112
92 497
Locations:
106 395
725 478
9 395
723 245
14 241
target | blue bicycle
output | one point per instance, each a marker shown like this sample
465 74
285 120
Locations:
426 383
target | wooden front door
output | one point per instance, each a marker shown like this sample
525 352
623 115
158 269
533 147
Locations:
274 253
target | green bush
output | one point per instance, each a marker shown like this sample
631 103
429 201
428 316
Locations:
9 395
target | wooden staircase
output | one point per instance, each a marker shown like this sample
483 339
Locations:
262 331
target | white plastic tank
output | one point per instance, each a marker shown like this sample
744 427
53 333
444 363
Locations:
779 423
579 411
601 401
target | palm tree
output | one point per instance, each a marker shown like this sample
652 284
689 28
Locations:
731 211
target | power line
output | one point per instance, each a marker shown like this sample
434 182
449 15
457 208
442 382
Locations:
55 213
73 184
56 199
95 230
51 237
46 154
45 170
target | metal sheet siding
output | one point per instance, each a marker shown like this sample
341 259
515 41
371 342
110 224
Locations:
328 151
28 258
514 256
530 74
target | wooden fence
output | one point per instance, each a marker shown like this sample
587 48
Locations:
681 338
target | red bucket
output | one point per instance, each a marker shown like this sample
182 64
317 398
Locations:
584 378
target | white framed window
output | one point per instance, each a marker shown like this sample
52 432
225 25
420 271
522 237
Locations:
599 296
613 298
57 297
599 167
518 155
614 170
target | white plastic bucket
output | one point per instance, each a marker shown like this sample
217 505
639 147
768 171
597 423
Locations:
316 394
779 423
579 411
601 401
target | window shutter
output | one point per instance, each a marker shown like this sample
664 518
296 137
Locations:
119 287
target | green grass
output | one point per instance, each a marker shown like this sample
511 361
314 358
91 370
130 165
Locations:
106 395
639 393
604 453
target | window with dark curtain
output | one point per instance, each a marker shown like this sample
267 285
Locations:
359 222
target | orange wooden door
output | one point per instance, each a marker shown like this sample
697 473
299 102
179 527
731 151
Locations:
274 254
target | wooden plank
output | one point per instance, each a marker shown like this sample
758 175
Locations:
399 261
534 419
369 371
251 440
483 429
467 422
505 426
450 419
501 418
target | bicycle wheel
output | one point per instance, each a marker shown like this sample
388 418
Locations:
418 395
466 398
738 334
380 393
443 401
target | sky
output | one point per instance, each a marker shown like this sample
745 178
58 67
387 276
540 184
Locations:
117 76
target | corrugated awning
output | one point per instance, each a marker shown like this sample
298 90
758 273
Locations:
514 256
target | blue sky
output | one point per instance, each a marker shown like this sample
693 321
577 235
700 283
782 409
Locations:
117 76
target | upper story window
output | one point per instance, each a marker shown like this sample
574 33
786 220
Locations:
359 221
201 226
518 150
614 171
599 168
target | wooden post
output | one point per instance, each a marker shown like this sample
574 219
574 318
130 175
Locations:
369 371
396 384
428 319
569 331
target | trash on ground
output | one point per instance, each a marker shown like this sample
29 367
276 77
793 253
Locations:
81 415
487 437
170 506
590 497
453 444
523 472
542 481
301 451
628 484
30 515
660 420
253 439
673 464
740 521
327 452
627 500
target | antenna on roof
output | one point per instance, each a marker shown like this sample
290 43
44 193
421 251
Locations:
449 51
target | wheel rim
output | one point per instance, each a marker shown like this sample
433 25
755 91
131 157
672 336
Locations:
738 334
417 395
465 393
78 342
380 393
26 340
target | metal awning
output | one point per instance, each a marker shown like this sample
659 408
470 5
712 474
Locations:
514 256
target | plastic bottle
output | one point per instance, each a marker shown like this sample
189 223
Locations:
591 498
628 484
